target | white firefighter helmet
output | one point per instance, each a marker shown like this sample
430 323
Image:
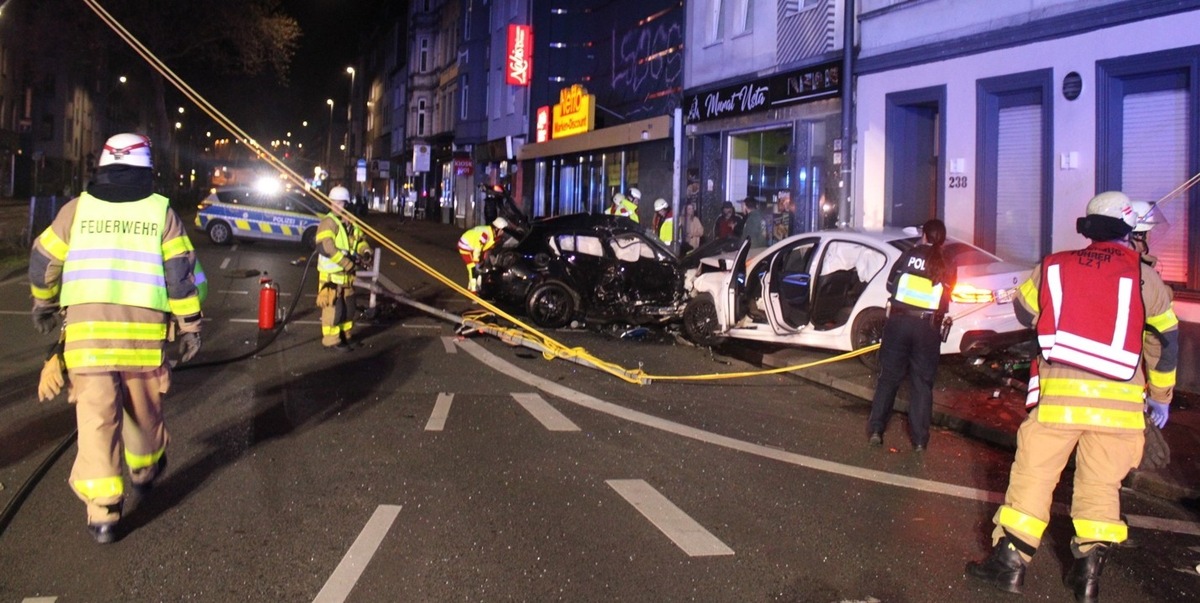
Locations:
660 204
1112 204
635 195
499 223
617 198
126 149
339 193
1147 214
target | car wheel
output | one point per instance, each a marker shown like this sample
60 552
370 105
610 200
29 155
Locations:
700 322
551 305
220 233
309 238
868 330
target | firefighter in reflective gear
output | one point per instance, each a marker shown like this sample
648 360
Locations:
474 245
1091 385
341 246
1148 216
119 260
622 206
920 283
664 221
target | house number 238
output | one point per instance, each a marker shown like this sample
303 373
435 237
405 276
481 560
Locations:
958 182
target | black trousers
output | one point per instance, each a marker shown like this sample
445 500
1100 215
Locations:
911 347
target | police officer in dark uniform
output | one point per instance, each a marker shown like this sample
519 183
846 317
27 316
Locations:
920 284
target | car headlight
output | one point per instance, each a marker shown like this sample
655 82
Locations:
965 293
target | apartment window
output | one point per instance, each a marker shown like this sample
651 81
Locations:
422 115
467 23
741 16
794 7
512 99
462 96
712 21
423 55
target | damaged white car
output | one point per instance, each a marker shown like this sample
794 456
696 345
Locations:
828 290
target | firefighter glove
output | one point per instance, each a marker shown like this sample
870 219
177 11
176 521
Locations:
45 318
1156 454
326 296
1159 412
189 345
346 263
53 378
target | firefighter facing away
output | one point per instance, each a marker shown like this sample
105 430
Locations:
1109 347
920 283
342 247
475 243
118 259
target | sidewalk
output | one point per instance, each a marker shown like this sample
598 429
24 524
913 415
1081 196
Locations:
992 414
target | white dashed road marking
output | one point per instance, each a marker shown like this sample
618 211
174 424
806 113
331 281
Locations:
547 415
684 531
225 263
347 573
448 344
441 410
913 483
39 599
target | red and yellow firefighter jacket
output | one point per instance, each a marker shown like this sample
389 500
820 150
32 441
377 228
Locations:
1093 308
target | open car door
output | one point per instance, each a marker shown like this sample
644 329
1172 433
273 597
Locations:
735 288
787 287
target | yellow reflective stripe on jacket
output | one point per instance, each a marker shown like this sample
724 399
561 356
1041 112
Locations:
177 246
1161 378
1029 292
100 357
1020 522
141 461
103 487
1088 530
666 230
918 291
1091 388
1095 417
1163 322
44 294
55 246
137 331
186 306
115 254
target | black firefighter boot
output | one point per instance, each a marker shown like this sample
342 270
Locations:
1003 569
1084 577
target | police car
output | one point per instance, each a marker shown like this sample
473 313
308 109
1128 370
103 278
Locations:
250 213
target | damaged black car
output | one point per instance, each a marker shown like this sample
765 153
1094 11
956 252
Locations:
586 268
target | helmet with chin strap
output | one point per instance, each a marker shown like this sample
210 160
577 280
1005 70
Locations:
126 149
1109 216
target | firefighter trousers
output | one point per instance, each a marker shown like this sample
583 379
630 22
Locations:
1102 460
338 319
120 420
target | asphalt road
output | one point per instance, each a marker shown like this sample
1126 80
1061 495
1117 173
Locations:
427 467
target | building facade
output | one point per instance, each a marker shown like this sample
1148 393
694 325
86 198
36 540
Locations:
763 110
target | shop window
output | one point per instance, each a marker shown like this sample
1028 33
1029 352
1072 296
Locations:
758 164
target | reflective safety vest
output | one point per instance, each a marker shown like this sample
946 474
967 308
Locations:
116 254
914 287
477 241
624 207
666 229
1091 313
330 268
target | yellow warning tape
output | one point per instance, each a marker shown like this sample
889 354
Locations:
551 348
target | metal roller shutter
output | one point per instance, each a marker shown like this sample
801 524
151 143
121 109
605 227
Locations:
1154 161
1019 184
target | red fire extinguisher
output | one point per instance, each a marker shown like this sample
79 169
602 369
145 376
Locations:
268 293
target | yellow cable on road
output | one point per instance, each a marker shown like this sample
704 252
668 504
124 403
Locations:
550 347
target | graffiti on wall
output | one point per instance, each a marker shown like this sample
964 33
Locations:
647 65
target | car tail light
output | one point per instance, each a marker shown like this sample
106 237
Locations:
965 293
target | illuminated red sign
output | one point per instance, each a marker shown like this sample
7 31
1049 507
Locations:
543 124
520 53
